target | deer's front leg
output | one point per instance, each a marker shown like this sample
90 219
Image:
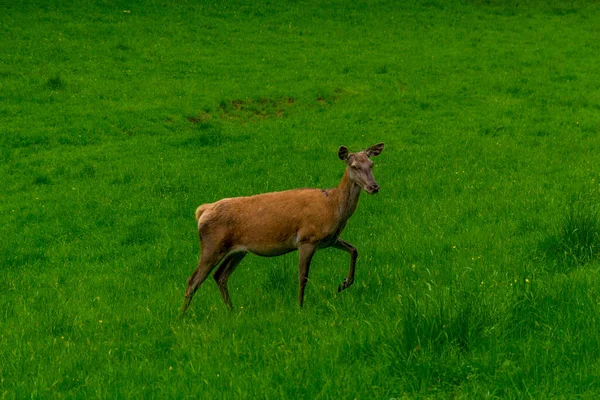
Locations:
347 247
306 253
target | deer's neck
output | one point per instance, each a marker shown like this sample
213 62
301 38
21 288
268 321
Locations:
348 194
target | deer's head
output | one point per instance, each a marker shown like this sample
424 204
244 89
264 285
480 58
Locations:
360 167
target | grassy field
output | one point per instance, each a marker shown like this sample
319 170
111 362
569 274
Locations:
478 271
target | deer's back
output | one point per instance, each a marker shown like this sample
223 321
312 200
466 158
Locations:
273 222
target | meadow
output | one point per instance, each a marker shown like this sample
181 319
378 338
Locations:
478 268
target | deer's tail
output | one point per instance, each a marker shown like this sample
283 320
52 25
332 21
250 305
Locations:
200 210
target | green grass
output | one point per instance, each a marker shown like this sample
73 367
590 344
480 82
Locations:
478 269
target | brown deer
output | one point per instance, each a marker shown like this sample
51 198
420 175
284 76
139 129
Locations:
273 224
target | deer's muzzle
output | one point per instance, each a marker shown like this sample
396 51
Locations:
372 189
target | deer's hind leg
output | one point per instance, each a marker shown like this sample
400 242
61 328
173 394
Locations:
306 254
212 254
223 273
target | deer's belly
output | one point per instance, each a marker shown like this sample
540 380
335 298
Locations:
267 247
270 252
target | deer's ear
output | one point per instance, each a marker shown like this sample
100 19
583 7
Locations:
374 150
343 153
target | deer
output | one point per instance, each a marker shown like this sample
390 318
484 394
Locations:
276 223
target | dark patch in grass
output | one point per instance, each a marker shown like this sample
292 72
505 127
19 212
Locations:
16 140
142 231
425 106
492 131
73 139
204 140
524 313
124 179
563 78
327 97
419 135
362 351
165 189
87 171
561 11
202 120
518 91
577 240
254 109
278 280
244 110
419 131
208 133
382 69
237 104
19 256
41 179
440 5
438 334
60 323
164 343
453 321
540 133
55 83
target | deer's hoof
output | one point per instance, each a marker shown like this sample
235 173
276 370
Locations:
343 285
186 304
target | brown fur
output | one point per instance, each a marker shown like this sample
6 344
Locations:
276 223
